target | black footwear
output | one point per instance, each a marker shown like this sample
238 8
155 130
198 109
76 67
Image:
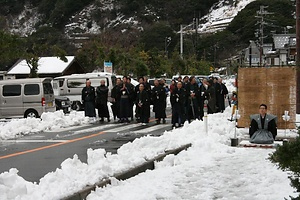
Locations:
102 120
157 121
164 121
108 120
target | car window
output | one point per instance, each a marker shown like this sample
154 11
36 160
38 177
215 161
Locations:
81 82
47 88
61 82
11 90
31 89
96 82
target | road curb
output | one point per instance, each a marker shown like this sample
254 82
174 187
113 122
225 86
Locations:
148 165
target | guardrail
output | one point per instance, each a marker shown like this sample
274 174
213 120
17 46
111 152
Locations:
148 165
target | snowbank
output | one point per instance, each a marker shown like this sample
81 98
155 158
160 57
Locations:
48 121
210 169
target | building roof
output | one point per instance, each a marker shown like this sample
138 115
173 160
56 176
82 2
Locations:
281 40
46 65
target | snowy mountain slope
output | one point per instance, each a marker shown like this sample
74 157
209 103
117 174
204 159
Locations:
24 24
221 14
103 14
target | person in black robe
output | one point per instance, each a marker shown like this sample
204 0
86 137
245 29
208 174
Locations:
203 97
221 92
101 101
132 98
193 93
124 93
115 95
158 95
210 94
263 124
88 99
136 91
217 87
143 105
178 98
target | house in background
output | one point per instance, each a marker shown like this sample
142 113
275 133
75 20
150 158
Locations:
47 67
280 53
284 50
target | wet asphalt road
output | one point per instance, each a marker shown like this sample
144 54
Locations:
38 154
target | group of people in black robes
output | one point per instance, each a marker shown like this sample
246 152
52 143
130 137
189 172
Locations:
188 98
125 96
95 99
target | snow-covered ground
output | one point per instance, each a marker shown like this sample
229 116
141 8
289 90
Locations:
210 169
49 121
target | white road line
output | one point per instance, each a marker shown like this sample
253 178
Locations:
66 128
33 141
98 128
122 128
152 128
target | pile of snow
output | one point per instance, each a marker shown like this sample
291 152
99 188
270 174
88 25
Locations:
221 14
210 169
48 121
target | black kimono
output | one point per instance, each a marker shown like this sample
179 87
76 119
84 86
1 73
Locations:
221 92
88 99
178 100
192 102
158 97
143 106
115 107
124 92
101 101
210 93
268 123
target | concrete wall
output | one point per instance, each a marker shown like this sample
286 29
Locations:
275 87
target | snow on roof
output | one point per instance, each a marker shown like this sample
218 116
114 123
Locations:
47 65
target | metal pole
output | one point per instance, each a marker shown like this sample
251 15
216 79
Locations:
205 109
235 124
181 41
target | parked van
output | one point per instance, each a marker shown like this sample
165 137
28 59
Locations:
71 86
26 97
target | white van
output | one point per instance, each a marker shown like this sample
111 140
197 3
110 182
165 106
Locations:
26 97
71 86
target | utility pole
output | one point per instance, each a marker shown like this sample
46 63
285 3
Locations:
260 14
196 21
181 38
181 41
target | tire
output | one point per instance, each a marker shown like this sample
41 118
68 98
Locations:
76 106
31 113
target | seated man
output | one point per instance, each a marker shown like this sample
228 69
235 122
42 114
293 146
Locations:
263 128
